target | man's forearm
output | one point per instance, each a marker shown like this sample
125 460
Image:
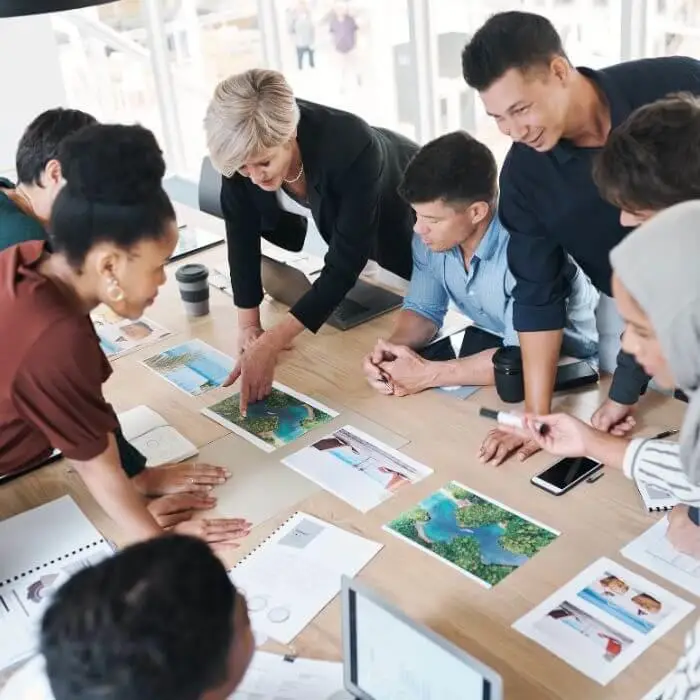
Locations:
283 333
412 329
248 318
109 485
476 370
540 351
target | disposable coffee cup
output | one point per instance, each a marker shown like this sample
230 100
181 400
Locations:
508 372
193 280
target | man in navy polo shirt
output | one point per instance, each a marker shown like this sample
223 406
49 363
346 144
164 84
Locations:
559 117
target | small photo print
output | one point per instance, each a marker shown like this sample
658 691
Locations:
193 367
282 417
579 634
356 467
119 336
631 605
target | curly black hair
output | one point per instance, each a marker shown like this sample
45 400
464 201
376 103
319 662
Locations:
113 191
154 622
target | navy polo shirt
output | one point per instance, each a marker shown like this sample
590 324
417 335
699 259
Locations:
551 206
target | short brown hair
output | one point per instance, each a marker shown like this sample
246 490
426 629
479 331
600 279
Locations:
652 160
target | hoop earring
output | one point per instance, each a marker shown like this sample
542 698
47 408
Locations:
114 292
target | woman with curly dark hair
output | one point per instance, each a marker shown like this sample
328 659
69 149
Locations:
112 231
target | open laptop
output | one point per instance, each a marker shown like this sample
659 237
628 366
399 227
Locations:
287 284
388 655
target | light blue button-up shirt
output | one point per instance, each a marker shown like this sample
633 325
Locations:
484 291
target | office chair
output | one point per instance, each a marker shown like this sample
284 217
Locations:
210 189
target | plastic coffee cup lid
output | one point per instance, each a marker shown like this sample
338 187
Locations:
508 358
192 272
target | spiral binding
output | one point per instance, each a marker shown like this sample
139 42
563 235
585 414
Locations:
262 544
36 569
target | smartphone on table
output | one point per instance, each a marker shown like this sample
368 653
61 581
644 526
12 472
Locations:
565 474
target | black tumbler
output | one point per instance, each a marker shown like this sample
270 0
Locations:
193 280
508 371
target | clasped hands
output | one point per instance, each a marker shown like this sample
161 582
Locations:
397 370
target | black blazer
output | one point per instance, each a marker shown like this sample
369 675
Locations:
352 172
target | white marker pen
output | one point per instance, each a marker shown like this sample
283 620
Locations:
510 419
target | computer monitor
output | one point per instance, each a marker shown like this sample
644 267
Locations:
387 655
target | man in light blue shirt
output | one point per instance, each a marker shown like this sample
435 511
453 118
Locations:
459 255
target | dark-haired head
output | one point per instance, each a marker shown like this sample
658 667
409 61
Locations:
451 183
36 161
517 62
112 223
158 620
652 160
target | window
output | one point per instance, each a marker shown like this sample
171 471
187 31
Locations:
355 56
590 30
673 28
106 63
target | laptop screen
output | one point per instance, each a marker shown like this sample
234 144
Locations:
393 658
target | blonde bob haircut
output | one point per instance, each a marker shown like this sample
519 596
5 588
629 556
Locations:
249 113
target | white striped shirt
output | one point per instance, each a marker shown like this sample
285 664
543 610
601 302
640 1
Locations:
684 682
658 463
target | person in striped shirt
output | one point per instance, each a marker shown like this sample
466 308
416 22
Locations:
657 291
459 256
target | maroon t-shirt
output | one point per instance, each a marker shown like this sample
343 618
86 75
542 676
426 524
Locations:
51 368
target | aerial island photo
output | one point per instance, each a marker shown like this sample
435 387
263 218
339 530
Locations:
485 540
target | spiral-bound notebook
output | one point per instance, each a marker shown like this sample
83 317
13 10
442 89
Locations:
655 498
39 550
296 572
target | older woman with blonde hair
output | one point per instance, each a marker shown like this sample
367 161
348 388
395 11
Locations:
288 164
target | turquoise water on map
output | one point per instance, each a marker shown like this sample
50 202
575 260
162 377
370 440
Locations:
289 418
443 527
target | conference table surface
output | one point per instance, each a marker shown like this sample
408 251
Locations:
595 520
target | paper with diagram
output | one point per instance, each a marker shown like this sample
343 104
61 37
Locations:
39 550
273 677
653 551
296 572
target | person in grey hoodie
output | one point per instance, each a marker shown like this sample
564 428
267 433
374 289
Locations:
660 304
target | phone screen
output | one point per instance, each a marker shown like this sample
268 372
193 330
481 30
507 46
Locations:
567 471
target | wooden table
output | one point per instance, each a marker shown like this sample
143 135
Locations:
595 519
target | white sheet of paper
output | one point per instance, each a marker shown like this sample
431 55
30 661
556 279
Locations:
271 677
39 550
653 551
454 322
296 572
603 619
356 467
657 692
